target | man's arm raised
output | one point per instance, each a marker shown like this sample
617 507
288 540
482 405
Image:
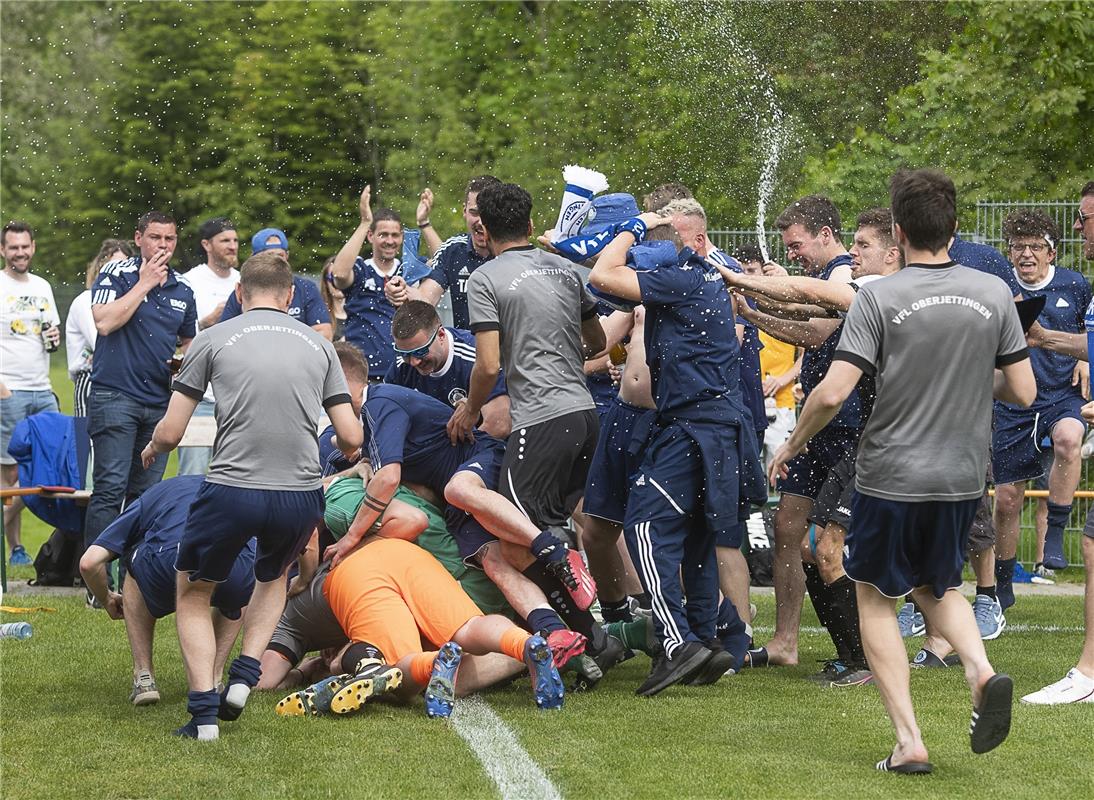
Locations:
342 269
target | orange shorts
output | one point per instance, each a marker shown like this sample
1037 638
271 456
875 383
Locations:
393 594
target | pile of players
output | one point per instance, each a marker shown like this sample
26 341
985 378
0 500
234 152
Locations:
608 384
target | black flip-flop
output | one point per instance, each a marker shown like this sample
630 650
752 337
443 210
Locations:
907 768
929 659
756 658
991 720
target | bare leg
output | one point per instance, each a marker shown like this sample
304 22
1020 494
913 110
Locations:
467 492
225 630
953 619
1067 466
1008 512
1086 660
13 514
196 637
601 540
521 593
733 580
830 553
140 626
1040 521
791 525
633 584
889 662
267 603
479 672
481 635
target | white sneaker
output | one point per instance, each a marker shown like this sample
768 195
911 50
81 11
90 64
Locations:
1073 688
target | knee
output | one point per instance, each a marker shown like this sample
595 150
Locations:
457 493
1066 443
1008 501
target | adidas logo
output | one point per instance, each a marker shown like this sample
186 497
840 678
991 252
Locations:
1062 303
641 481
475 464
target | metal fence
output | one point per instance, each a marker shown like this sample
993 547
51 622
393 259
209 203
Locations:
989 227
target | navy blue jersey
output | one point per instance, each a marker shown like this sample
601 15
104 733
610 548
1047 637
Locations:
815 363
135 359
691 341
752 382
1067 297
406 427
984 258
307 304
601 386
452 266
452 382
369 314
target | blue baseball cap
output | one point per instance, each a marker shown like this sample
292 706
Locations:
608 209
258 241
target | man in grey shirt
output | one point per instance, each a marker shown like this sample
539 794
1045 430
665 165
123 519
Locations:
940 339
273 376
531 313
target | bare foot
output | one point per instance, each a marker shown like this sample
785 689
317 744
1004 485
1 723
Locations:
781 656
912 752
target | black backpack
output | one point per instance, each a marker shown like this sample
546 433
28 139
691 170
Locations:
58 560
758 546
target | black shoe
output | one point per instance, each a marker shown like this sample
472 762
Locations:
689 658
720 663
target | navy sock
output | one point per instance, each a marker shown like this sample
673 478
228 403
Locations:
1058 516
548 547
843 622
545 620
244 670
986 590
203 707
1004 581
616 610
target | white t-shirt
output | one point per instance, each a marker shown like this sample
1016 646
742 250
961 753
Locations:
24 305
80 335
210 290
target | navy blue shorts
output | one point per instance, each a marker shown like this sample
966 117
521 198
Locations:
1016 438
153 568
808 471
223 518
896 547
613 467
471 537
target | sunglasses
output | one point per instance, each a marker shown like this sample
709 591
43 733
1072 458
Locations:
418 352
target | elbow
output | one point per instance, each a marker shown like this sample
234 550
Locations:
103 328
1026 395
828 398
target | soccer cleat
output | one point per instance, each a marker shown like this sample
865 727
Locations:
575 576
690 657
1054 551
832 669
926 659
565 644
20 557
144 691
989 617
440 692
1072 688
910 621
313 701
853 677
373 679
546 683
991 719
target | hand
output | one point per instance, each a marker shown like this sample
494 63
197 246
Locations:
298 584
799 393
461 423
154 270
772 385
338 551
53 335
773 270
1088 413
113 606
213 317
148 455
395 290
425 205
545 241
1035 336
778 469
653 219
1081 378
363 470
366 206
615 372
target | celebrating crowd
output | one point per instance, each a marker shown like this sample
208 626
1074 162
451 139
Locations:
561 479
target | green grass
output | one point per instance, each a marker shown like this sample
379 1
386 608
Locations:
68 730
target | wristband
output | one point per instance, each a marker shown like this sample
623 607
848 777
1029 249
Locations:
425 224
375 504
635 227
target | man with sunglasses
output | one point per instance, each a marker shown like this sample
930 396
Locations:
438 361
1031 238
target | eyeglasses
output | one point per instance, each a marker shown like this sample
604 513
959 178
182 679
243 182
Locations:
419 352
1083 217
1035 248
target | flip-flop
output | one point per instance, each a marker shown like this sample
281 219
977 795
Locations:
991 720
929 659
907 768
756 658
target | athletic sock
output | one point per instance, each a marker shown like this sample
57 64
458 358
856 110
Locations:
844 623
560 600
421 667
548 547
989 591
203 708
1058 515
243 676
545 620
819 595
616 610
1004 581
513 641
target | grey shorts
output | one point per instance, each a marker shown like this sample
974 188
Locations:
982 531
1088 528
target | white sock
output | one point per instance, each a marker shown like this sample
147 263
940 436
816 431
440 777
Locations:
748 630
237 694
207 733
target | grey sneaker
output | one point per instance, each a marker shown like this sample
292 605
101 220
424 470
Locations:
144 691
989 617
910 621
853 677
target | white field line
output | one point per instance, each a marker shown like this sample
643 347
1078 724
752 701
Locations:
1018 627
508 764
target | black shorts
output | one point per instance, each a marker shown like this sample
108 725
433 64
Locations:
982 530
807 471
833 503
545 466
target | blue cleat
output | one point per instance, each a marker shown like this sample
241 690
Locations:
20 557
440 693
546 683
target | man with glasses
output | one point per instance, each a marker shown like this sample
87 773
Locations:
438 361
1031 238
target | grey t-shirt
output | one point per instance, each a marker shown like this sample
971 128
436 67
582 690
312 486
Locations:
308 623
272 377
933 336
537 303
